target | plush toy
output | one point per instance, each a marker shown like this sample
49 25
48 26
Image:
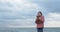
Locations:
38 20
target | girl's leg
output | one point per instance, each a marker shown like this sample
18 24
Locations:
39 29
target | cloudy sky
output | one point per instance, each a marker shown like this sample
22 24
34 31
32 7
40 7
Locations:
22 13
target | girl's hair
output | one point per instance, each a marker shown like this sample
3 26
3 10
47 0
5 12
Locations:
40 12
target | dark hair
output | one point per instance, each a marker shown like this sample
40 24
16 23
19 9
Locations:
40 12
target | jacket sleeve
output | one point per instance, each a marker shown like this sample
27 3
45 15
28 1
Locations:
42 19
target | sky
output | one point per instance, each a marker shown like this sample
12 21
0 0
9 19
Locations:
22 13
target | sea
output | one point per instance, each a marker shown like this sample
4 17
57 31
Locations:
28 30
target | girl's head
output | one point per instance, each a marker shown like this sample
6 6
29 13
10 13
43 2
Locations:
39 13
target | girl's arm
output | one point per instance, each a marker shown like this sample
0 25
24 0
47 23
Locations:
42 19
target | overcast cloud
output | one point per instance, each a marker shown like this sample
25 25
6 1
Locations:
17 13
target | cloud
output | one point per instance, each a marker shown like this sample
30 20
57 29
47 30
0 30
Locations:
17 13
52 6
16 8
17 23
52 20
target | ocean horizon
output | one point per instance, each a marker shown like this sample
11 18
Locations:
46 29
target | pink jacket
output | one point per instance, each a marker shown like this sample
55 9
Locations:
42 24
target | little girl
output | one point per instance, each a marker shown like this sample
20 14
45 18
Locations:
40 22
